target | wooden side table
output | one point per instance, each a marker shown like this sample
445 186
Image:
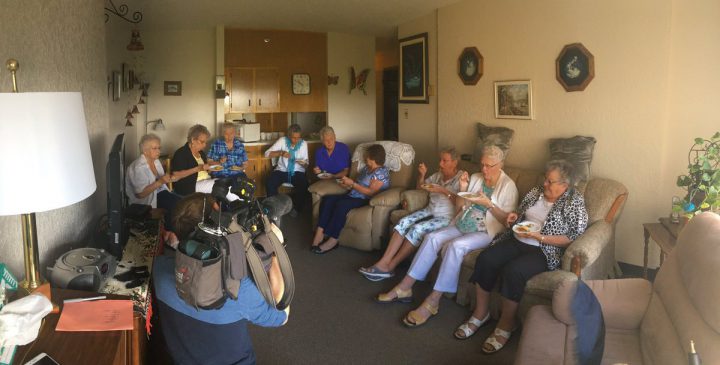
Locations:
664 234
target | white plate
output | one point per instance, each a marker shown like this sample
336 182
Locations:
468 195
236 168
526 227
216 168
288 185
426 186
324 175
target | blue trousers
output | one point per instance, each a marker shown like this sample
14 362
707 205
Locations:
299 181
334 210
167 200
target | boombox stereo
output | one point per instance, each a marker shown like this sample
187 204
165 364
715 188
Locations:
82 269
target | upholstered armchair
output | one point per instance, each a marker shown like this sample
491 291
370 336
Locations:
590 256
644 323
367 227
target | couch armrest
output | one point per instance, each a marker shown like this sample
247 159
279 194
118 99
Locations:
623 301
543 285
588 246
326 187
387 198
414 199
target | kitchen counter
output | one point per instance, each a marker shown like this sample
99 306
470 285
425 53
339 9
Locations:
265 143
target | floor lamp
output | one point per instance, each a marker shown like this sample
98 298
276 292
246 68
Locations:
47 131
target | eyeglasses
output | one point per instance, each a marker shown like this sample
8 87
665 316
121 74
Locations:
486 166
550 182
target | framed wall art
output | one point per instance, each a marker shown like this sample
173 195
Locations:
116 85
173 88
470 66
513 99
414 69
575 67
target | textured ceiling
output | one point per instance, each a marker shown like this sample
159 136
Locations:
366 17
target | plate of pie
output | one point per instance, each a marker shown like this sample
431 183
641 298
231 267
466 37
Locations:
426 186
468 195
236 168
216 167
324 175
526 227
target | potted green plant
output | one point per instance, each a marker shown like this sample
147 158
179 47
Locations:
702 181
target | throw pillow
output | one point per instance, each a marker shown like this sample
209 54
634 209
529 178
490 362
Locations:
577 150
499 136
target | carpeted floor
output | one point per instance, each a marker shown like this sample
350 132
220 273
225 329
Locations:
334 320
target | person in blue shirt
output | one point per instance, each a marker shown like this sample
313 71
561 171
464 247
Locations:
373 178
332 158
230 152
217 336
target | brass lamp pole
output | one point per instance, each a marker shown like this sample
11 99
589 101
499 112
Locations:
30 246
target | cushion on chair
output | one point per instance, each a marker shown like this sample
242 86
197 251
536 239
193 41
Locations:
499 136
577 150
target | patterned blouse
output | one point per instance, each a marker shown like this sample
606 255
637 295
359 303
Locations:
364 178
567 217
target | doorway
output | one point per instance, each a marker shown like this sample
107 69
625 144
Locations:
390 104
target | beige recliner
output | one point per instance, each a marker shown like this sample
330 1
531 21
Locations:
367 227
645 323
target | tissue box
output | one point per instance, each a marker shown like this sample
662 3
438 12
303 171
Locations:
7 279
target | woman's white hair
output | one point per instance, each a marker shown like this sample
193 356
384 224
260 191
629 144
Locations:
147 138
450 150
494 152
327 130
227 125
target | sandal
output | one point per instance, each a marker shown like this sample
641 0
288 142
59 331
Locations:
402 296
413 319
492 345
465 327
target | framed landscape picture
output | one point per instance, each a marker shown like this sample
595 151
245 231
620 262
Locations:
414 69
575 67
173 88
513 99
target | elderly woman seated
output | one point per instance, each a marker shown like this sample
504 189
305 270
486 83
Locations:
146 181
490 195
409 232
229 151
373 178
549 218
332 159
292 154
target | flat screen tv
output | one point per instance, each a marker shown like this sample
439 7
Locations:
116 202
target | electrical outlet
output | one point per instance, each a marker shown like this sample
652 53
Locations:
466 157
405 113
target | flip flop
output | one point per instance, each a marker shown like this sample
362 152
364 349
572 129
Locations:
413 319
465 327
402 296
492 345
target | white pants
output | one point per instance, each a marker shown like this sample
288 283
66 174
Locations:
455 245
205 186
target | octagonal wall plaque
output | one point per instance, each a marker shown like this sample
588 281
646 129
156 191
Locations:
470 66
575 67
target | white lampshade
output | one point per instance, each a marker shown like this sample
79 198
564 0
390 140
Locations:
44 152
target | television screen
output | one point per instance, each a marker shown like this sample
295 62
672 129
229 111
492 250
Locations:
116 203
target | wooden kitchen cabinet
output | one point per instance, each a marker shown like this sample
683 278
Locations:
252 89
258 168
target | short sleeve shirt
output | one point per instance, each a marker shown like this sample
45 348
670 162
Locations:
364 178
338 161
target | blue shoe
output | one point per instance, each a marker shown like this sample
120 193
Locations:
372 273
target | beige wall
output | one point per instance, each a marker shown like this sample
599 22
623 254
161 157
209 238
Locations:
638 106
417 123
60 46
352 115
179 55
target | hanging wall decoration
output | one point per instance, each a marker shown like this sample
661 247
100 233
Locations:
575 67
358 82
470 66
414 71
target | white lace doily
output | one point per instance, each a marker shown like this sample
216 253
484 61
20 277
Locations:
396 154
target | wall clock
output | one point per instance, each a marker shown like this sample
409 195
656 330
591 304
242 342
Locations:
301 84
